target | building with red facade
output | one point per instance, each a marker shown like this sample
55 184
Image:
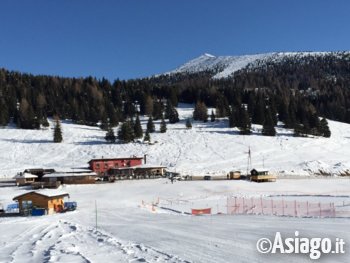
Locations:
101 166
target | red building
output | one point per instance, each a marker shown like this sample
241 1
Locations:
101 166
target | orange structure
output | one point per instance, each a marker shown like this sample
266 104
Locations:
205 211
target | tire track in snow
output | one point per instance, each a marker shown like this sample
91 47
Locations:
65 241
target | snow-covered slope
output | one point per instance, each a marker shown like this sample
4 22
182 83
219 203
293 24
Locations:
225 66
129 229
208 148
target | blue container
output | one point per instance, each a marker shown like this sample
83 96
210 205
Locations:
38 211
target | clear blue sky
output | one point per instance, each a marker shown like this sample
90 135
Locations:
128 38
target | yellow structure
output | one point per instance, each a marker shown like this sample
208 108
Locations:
261 176
50 201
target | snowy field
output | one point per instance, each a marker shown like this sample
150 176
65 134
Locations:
129 230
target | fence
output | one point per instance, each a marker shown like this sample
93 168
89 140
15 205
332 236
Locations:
260 206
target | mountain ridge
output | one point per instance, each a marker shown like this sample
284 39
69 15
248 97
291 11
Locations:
226 66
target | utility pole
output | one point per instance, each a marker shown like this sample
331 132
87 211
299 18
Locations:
249 161
96 213
263 157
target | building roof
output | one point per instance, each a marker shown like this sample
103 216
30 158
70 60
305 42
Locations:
117 158
123 168
259 169
25 175
143 166
54 175
149 166
45 192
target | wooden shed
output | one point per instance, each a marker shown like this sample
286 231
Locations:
25 179
51 201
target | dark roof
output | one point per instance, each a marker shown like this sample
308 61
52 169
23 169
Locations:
119 158
46 194
143 167
39 170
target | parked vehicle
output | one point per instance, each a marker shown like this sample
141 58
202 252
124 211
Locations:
70 206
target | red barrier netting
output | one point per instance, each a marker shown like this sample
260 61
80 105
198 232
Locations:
260 206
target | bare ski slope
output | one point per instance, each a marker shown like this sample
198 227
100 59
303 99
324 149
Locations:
208 148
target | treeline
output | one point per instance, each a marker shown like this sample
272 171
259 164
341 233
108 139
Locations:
294 91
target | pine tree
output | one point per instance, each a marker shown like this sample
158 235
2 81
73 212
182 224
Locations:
290 120
138 128
57 133
268 127
244 121
174 116
44 122
110 137
26 118
163 126
158 108
324 128
234 117
148 107
188 124
212 116
150 125
298 130
113 115
171 113
200 112
259 109
168 109
147 137
104 123
126 132
3 114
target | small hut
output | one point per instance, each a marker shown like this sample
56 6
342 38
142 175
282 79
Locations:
50 201
234 175
25 179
